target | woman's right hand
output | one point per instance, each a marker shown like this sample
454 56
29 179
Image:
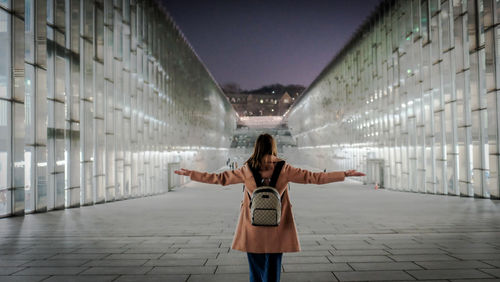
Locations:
353 172
183 171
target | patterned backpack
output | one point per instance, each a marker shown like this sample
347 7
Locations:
265 203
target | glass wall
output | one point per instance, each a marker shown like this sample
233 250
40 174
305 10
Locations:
417 86
97 100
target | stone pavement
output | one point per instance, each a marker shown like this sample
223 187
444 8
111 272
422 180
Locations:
348 232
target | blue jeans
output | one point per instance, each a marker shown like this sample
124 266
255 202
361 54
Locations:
264 267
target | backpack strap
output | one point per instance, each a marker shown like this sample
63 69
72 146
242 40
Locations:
274 178
256 177
276 173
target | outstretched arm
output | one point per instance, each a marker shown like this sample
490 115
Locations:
227 177
304 176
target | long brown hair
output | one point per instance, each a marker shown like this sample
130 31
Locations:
264 145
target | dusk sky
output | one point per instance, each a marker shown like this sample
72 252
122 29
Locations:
254 43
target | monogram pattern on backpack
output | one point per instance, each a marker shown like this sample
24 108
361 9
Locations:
265 206
265 203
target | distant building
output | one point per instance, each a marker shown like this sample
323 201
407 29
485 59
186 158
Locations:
262 104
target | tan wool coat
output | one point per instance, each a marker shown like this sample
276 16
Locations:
263 239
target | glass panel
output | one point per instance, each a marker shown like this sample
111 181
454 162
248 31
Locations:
424 10
59 9
445 25
18 146
474 81
88 19
99 33
108 49
50 11
29 178
99 102
59 157
29 31
87 151
110 167
434 36
109 94
434 6
440 152
18 59
493 176
74 102
118 38
490 59
41 178
73 165
88 65
108 12
119 190
416 16
126 11
41 33
29 103
5 59
99 159
465 162
18 158
493 122
60 78
87 184
459 43
5 154
126 46
471 24
40 121
118 85
87 130
75 26
475 131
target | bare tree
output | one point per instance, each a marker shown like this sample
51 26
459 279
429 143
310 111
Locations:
231 87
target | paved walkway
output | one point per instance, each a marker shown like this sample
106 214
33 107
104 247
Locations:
348 232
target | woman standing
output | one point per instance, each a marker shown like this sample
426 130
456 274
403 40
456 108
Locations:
265 245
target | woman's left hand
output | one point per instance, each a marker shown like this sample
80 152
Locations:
183 171
353 172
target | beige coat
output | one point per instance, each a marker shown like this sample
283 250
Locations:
263 239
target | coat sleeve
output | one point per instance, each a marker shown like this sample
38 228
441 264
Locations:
227 177
304 176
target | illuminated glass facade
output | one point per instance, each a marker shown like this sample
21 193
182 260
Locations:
417 86
98 99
